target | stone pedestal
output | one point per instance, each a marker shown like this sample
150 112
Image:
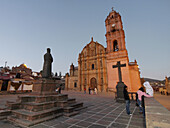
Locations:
33 109
44 86
44 103
120 95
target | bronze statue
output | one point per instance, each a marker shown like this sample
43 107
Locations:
48 59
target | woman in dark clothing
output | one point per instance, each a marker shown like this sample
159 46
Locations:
127 99
89 90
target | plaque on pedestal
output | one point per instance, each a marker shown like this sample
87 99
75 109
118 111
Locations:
44 86
120 95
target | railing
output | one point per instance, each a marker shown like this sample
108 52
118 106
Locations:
133 95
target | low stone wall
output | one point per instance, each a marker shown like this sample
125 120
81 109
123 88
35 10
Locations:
157 116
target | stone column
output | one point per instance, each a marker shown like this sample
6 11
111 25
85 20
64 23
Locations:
99 74
105 84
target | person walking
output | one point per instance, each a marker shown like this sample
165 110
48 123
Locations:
140 100
127 99
89 90
84 90
95 90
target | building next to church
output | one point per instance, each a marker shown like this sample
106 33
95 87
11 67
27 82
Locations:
167 85
95 63
71 80
20 78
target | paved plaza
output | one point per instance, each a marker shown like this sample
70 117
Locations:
163 99
102 112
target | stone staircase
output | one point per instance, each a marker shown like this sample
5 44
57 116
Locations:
72 107
30 110
4 114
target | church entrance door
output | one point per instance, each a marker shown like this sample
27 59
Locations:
93 83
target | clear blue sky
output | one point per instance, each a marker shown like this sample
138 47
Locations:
28 27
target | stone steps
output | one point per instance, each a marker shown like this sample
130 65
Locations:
80 108
13 105
71 114
27 123
71 100
61 97
76 105
26 98
68 109
62 104
67 102
40 99
72 109
30 115
3 117
4 114
33 109
27 101
32 106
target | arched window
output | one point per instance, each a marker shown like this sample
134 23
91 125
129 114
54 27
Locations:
115 46
75 84
92 66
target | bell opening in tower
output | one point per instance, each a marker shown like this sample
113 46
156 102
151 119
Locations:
115 46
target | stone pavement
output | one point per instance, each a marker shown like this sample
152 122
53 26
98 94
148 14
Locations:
102 112
163 99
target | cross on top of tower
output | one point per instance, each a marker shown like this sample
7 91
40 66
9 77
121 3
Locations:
112 8
91 38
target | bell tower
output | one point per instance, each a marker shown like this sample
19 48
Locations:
116 49
115 36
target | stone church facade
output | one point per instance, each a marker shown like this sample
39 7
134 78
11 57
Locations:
95 63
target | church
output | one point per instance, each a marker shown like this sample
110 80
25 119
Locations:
95 62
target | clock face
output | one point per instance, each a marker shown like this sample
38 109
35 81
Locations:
113 25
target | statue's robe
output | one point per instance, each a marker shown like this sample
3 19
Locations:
46 73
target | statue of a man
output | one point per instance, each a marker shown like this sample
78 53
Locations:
48 59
